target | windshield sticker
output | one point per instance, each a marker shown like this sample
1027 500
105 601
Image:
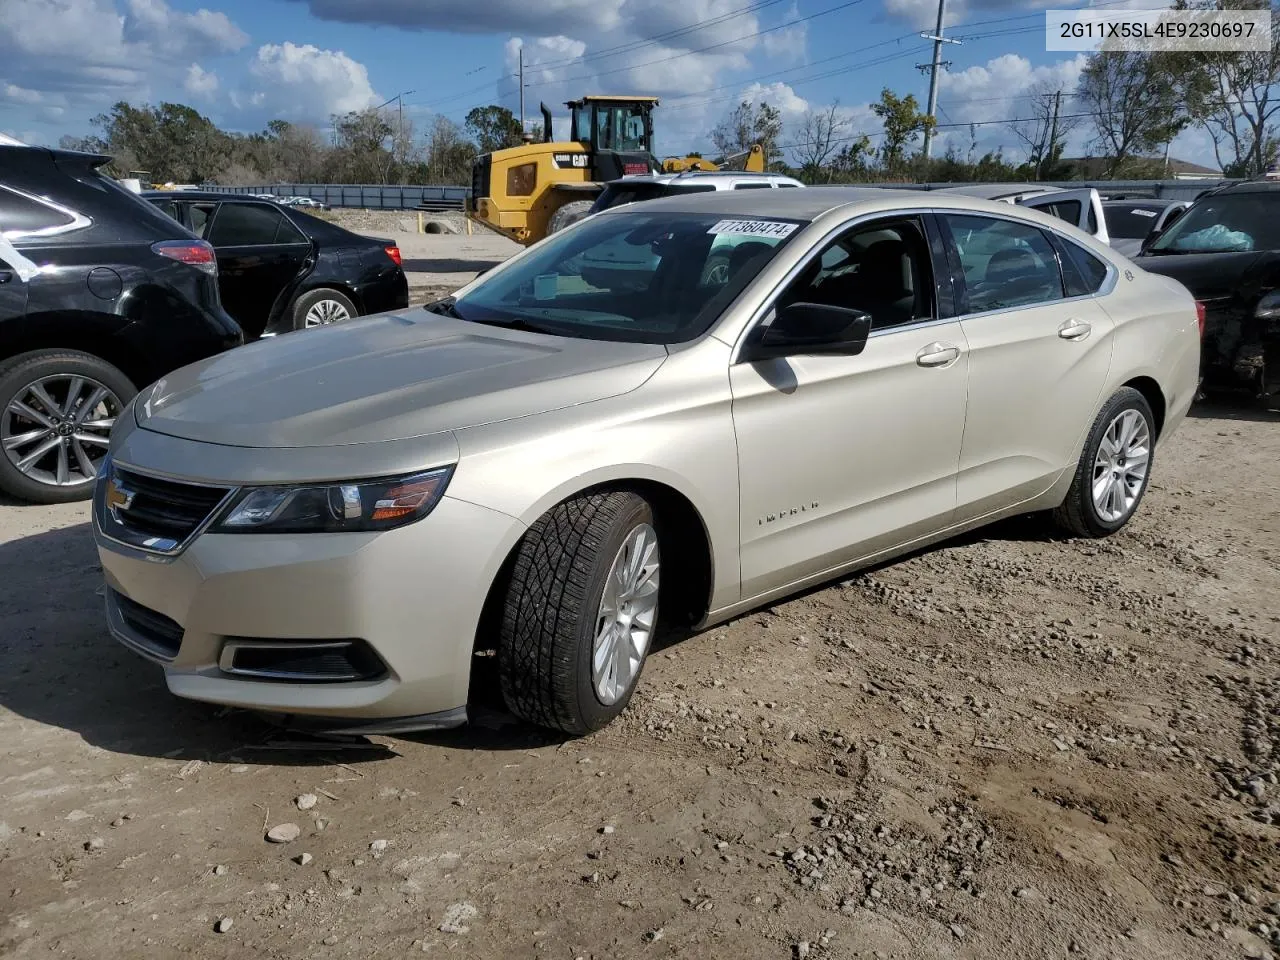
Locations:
1143 213
755 228
544 286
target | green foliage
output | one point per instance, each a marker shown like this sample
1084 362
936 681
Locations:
493 128
904 123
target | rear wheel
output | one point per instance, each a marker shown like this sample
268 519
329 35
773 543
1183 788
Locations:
1114 468
318 308
57 408
580 613
569 214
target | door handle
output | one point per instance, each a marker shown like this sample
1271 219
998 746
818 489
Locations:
1074 329
5 275
938 355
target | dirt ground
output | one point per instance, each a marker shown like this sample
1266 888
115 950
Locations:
1010 746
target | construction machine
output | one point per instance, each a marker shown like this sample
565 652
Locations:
535 189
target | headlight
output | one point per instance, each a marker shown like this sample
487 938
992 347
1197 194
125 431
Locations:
335 507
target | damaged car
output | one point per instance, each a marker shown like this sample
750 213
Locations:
1226 250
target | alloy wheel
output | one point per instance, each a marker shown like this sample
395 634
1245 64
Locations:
55 430
1120 466
628 612
326 311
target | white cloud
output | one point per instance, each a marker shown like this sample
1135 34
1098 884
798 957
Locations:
95 52
791 42
13 93
303 82
200 82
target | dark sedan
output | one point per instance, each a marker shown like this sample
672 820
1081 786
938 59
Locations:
280 269
1226 250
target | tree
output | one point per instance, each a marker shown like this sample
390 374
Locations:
173 142
746 125
903 124
448 153
852 162
359 140
493 128
820 131
1134 102
1234 96
1045 132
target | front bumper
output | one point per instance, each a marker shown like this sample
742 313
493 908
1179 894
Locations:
412 595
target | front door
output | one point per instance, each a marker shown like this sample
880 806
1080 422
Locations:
840 457
259 253
1038 362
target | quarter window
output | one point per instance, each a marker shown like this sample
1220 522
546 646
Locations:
1005 264
881 268
288 233
244 224
22 216
1081 270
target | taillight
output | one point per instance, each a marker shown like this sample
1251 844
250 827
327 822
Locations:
1200 315
394 253
195 253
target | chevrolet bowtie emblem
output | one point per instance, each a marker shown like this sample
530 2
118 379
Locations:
118 497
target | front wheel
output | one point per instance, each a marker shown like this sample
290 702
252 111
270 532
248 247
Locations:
581 610
569 214
1114 468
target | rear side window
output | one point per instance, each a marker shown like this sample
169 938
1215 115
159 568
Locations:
23 216
753 186
1068 210
1130 223
1082 272
1005 264
244 224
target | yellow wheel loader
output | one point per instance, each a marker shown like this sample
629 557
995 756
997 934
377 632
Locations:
535 189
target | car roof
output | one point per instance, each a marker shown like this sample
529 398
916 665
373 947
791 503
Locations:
200 195
813 202
690 175
994 191
1250 186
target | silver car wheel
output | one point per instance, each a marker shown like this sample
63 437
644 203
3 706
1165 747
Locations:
1120 466
56 429
326 311
628 611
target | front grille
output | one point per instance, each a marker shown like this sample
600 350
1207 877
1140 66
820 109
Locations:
153 514
151 632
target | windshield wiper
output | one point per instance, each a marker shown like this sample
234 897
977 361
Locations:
519 323
444 307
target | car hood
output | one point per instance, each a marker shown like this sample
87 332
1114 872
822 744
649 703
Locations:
1214 276
390 377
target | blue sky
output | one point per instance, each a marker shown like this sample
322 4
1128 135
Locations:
244 62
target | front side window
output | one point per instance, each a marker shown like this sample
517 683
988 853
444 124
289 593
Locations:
1005 264
1068 210
244 224
632 276
881 268
1225 223
23 216
201 214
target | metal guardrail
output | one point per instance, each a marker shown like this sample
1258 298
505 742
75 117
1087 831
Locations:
365 196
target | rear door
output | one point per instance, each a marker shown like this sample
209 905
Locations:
13 284
260 253
1080 208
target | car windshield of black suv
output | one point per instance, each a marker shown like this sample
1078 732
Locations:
639 277
1228 223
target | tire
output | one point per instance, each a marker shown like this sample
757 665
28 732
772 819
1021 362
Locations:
1081 513
58 474
324 301
555 603
569 214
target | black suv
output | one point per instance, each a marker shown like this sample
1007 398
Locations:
100 294
1226 250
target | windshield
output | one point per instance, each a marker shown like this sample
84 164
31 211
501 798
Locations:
1225 223
643 278
1130 222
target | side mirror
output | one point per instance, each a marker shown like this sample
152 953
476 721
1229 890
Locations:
812 328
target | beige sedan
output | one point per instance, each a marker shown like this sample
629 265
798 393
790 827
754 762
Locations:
334 525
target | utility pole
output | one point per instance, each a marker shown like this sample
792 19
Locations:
934 68
522 88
